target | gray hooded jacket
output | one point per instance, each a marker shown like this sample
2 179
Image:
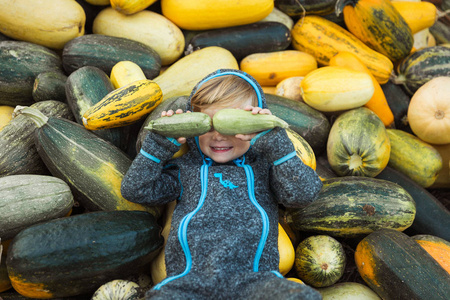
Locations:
226 218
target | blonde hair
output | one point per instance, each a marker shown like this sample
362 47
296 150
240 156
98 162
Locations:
224 91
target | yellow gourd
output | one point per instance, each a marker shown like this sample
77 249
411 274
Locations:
417 14
125 72
6 114
129 7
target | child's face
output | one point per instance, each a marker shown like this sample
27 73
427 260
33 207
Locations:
222 148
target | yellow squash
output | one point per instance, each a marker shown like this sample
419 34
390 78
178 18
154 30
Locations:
302 148
42 21
123 106
324 39
6 114
129 7
147 27
333 88
180 78
204 15
271 68
417 14
126 72
413 157
379 25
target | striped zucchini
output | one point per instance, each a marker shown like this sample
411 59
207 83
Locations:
181 125
93 167
379 25
238 121
355 206
320 260
421 66
324 39
123 106
18 153
413 157
30 199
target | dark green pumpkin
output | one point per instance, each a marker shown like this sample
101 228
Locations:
244 40
50 85
311 124
75 255
18 153
104 52
355 206
20 63
421 66
396 267
84 88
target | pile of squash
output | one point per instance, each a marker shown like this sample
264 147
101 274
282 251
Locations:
363 84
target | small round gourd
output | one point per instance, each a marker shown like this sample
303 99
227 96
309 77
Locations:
117 290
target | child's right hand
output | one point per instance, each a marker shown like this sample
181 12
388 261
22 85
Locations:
170 113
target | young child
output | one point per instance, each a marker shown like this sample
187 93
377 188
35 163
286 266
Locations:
223 242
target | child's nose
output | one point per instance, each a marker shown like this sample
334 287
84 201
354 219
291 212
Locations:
218 136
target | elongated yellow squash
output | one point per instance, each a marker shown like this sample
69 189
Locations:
129 7
417 14
125 72
204 15
271 68
147 27
334 88
42 22
180 78
123 106
324 39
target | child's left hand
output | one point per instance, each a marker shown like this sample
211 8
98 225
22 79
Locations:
255 110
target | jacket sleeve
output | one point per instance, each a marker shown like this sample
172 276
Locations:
293 183
149 180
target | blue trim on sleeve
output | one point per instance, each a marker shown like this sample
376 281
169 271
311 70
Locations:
256 137
173 140
278 274
284 158
149 156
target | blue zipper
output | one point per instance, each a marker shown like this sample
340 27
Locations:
182 229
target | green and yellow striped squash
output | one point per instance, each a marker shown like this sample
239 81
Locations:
319 260
324 39
379 25
354 206
303 150
358 144
123 106
413 157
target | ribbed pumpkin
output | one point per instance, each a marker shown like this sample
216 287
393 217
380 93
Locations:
429 111
379 25
203 15
324 39
271 68
358 144
334 88
413 157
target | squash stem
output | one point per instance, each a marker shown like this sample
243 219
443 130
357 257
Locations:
355 161
398 79
34 114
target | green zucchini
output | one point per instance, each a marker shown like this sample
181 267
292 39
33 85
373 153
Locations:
92 167
320 260
264 37
29 199
18 153
238 121
355 206
181 125
49 85
84 88
311 124
20 63
396 267
296 8
431 215
172 103
77 254
421 66
104 52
